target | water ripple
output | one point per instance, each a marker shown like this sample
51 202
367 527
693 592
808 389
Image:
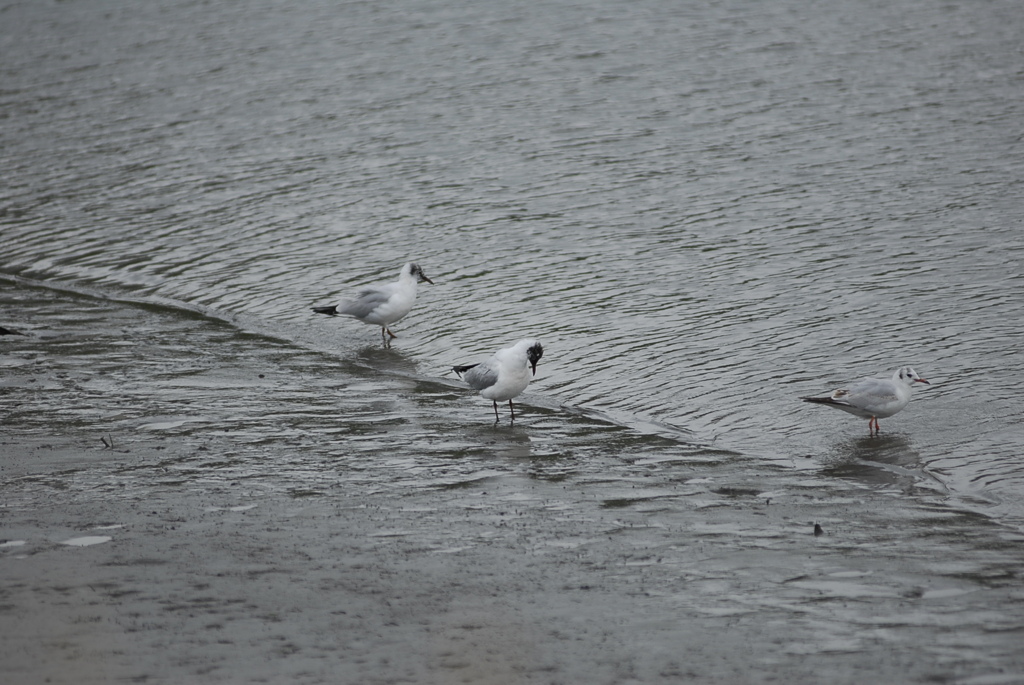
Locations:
702 221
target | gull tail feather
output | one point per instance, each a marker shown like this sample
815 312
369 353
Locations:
463 369
823 400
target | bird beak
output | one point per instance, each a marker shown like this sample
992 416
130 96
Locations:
534 366
921 380
427 280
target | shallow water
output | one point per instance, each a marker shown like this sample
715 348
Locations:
703 211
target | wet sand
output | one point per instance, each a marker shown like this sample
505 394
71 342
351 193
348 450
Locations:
248 543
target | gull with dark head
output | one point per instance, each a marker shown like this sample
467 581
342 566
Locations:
874 398
382 305
505 375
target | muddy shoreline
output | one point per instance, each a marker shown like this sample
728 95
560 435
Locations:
498 583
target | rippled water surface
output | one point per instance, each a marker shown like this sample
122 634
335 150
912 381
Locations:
703 210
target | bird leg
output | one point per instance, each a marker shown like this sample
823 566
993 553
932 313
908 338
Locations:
384 338
496 419
876 429
511 409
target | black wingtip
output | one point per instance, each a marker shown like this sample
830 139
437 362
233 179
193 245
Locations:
462 369
819 400
329 311
9 331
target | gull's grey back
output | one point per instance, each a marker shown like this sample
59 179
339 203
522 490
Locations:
478 376
364 304
876 388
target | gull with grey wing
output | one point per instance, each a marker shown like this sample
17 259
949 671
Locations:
504 375
382 305
872 398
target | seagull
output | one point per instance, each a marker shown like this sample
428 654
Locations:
871 398
505 375
382 305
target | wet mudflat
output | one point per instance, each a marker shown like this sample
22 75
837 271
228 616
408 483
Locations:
275 514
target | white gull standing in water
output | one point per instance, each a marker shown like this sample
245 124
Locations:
505 375
873 398
382 305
